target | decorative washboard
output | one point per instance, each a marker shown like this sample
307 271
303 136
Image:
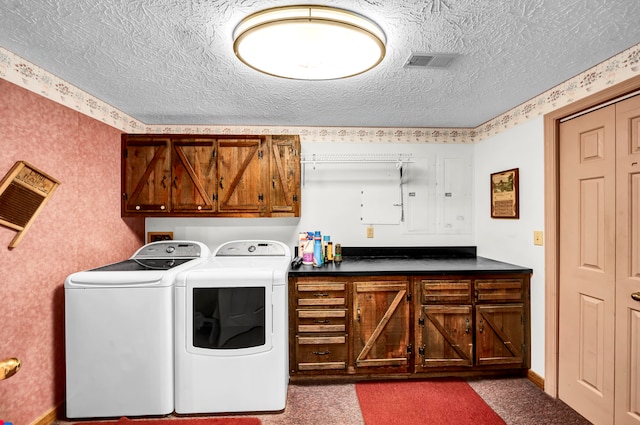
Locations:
24 191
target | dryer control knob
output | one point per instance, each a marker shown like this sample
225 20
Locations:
170 249
252 248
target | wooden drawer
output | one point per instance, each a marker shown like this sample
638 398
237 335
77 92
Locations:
321 294
448 291
321 352
499 290
327 320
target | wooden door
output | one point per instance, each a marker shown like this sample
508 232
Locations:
193 175
284 188
145 175
242 171
627 334
381 325
587 264
500 334
445 337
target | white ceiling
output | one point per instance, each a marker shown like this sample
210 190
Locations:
172 62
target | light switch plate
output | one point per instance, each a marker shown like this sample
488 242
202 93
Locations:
537 237
369 231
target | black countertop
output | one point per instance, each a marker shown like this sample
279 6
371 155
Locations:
409 261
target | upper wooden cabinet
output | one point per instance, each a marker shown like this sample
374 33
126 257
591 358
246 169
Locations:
146 175
210 175
284 187
193 175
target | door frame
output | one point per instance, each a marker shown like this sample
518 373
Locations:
552 217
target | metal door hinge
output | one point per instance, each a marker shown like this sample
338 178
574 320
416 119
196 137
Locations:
260 154
408 296
421 350
261 197
421 321
409 349
295 198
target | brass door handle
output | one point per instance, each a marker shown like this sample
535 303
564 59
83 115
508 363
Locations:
9 367
635 296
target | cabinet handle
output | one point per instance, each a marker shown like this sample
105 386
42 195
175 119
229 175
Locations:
321 322
322 353
221 186
273 182
468 327
321 295
635 296
481 328
175 182
358 317
164 185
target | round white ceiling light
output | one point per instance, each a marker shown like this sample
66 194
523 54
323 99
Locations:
309 42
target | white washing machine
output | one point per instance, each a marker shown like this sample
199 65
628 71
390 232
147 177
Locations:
119 332
232 350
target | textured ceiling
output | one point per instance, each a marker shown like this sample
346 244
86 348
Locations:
172 62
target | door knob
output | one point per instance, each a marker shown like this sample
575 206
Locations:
636 296
9 367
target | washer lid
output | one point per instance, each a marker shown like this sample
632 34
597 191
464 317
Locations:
137 265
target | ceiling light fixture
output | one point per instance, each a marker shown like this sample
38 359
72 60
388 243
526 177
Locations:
309 42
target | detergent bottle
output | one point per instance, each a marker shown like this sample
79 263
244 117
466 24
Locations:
318 254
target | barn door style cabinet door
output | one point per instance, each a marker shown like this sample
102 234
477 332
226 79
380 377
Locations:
193 175
381 326
284 187
502 337
444 328
211 175
146 175
242 173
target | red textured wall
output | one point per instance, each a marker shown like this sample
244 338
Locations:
78 229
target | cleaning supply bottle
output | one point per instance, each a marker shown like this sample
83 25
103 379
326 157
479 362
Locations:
337 256
307 252
318 254
325 243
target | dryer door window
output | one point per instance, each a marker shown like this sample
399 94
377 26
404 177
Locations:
229 318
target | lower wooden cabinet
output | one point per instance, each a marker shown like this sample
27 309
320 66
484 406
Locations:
444 336
500 335
412 326
381 326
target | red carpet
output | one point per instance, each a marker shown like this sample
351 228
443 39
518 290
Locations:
178 421
433 402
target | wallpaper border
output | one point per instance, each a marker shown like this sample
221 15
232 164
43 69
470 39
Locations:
614 70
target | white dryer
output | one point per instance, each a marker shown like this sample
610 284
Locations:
231 332
119 332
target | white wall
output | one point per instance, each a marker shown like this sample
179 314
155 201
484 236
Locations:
512 240
437 190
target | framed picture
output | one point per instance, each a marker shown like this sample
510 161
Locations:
504 194
159 236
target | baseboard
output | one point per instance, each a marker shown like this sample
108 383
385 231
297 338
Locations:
536 379
50 417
